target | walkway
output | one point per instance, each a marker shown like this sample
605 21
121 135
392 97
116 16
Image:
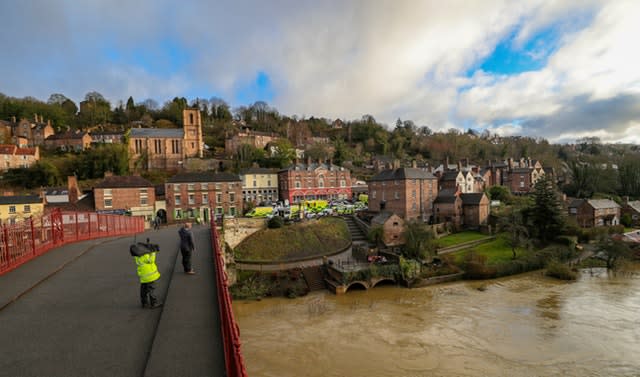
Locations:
75 311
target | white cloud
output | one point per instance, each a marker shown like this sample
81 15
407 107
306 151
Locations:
398 59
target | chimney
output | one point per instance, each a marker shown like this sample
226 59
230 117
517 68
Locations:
72 187
446 164
13 119
510 163
108 174
459 165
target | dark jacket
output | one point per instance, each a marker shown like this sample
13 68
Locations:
142 248
186 240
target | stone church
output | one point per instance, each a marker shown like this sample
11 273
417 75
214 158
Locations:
166 148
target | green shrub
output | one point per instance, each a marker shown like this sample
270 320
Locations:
560 271
275 222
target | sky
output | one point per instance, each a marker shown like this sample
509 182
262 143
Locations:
558 70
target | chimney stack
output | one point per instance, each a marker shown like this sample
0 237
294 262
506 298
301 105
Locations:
13 119
72 187
108 174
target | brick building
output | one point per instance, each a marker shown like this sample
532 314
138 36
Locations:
69 141
166 148
27 133
13 157
195 196
475 209
392 228
590 213
125 194
247 136
447 207
408 192
310 181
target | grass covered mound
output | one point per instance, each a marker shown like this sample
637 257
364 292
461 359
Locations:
313 238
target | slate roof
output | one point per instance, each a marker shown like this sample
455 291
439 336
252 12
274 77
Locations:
126 181
603 203
203 177
635 205
20 199
258 171
312 166
449 176
446 196
87 203
402 174
381 218
67 135
174 133
472 198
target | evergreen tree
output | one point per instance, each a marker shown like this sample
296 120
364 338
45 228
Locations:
545 212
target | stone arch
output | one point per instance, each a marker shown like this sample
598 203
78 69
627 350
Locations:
357 284
385 280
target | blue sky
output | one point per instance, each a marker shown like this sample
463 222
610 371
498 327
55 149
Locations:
537 68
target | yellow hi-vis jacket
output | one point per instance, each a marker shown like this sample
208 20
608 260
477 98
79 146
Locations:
147 269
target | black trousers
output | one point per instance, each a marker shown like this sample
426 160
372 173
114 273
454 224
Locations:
186 259
147 297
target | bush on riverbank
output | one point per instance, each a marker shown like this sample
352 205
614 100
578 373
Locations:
476 266
303 240
560 271
256 285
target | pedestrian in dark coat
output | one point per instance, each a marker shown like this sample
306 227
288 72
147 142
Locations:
187 247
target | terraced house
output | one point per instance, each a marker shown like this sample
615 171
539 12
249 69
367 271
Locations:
13 157
17 208
196 196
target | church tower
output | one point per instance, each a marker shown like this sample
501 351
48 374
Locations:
192 124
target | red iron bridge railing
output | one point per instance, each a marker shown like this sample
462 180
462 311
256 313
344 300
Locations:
21 242
234 362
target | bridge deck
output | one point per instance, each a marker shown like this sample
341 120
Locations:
75 311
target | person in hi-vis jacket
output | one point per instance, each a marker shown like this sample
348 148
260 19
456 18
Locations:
145 257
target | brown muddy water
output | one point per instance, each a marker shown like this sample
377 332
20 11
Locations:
527 325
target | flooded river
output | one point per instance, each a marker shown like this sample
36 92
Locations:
527 325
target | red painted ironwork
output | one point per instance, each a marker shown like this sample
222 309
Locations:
234 361
21 242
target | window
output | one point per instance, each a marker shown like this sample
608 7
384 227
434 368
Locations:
175 146
192 199
144 196
321 183
269 183
12 209
218 210
204 186
232 211
396 195
27 208
218 186
205 198
255 184
191 186
108 203
178 200
232 197
343 183
157 146
218 197
297 184
176 188
178 213
107 192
